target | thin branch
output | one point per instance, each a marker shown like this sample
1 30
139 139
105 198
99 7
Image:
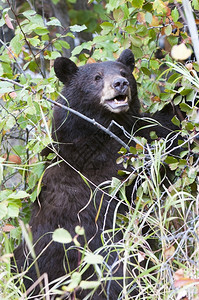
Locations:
25 38
11 81
92 121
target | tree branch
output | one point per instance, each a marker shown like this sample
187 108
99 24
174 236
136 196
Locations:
92 121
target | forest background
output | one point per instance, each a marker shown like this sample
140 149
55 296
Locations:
163 36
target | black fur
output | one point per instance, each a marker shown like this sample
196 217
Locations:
86 149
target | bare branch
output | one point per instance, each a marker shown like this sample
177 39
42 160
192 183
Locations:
92 121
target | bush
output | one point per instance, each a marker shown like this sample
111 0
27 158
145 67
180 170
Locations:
27 80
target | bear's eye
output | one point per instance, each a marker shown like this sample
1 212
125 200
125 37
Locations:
123 73
98 77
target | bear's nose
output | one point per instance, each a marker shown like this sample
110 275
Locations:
120 85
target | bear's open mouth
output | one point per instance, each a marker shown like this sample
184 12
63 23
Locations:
121 100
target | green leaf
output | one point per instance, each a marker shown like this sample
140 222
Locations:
141 30
79 230
13 211
61 235
153 135
177 100
137 51
146 71
78 28
185 107
10 122
89 284
133 150
113 4
148 17
175 121
136 41
125 10
175 14
173 166
118 15
17 43
196 150
168 30
171 160
195 4
174 77
185 92
34 18
159 6
189 126
6 87
137 3
18 195
154 64
53 22
3 210
64 44
93 259
107 27
34 41
41 31
29 13
75 280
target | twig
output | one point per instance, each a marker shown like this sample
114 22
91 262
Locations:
92 121
11 81
25 38
192 27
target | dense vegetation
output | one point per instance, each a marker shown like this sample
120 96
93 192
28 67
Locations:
158 32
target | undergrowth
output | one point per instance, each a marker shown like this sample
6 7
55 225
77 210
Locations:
164 206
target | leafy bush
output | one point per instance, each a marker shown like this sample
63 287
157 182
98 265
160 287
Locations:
26 81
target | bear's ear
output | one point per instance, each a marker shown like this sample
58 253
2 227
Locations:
64 68
127 58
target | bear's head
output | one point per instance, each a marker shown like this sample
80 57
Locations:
109 86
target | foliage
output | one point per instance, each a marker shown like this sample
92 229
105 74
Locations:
27 78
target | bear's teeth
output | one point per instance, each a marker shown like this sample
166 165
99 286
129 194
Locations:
119 102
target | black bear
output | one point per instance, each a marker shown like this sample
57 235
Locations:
104 92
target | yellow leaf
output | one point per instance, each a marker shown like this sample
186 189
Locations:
159 6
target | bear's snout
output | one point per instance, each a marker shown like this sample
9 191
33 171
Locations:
120 84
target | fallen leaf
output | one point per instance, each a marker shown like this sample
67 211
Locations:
169 252
185 281
180 280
